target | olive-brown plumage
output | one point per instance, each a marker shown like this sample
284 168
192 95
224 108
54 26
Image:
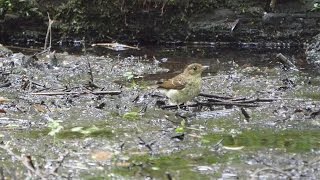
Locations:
185 86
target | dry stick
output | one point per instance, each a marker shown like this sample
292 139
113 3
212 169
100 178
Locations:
82 92
51 21
245 114
60 161
221 100
114 45
215 100
215 96
90 72
271 100
106 92
89 65
37 84
285 61
244 100
47 35
162 8
223 103
230 103
218 143
234 24
147 145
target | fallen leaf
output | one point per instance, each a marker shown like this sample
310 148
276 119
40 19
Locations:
102 155
3 100
39 108
122 164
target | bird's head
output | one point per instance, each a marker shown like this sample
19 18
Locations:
195 69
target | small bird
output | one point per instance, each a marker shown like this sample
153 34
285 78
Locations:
184 86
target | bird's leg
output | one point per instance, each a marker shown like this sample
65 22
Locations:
180 109
178 105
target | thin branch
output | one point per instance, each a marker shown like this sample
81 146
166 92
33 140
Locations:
215 96
245 114
79 93
60 161
47 35
115 46
209 104
286 62
147 145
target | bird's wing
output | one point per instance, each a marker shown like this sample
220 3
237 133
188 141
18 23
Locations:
177 82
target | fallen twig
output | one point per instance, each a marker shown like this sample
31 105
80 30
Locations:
147 145
78 93
218 143
37 84
47 35
90 72
286 62
245 114
215 96
217 100
60 161
231 103
209 104
234 24
115 46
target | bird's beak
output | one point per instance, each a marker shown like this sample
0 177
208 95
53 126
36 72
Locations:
205 67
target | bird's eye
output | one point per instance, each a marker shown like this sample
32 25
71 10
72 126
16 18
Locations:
195 68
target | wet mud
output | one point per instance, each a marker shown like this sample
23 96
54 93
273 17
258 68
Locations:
98 115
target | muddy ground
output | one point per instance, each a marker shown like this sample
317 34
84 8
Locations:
119 126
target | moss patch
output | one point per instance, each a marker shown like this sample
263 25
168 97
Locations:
313 95
288 140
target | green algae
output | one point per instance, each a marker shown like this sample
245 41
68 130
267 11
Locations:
308 94
69 133
133 115
180 165
286 140
160 167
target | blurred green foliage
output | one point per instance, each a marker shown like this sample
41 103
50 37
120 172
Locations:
5 5
26 8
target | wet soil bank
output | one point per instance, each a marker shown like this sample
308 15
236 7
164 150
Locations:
287 24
